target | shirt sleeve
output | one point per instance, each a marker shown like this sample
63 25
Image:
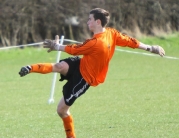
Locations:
81 49
126 41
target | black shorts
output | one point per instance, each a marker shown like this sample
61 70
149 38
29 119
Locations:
76 85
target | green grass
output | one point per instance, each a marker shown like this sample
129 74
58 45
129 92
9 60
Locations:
139 98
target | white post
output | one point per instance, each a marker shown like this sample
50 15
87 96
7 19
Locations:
51 99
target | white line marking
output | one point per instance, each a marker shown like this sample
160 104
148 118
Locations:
9 47
73 41
147 54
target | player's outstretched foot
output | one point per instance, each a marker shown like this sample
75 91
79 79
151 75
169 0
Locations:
24 71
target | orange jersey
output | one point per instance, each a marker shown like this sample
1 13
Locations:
97 52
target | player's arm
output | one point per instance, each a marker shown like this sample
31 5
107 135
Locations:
73 49
85 48
153 49
124 40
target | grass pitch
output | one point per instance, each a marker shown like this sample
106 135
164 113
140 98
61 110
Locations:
139 98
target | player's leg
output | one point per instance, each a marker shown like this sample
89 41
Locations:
63 112
73 89
43 68
61 67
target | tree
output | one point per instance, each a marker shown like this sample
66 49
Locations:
31 21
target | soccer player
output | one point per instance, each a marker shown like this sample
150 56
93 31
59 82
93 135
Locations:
91 69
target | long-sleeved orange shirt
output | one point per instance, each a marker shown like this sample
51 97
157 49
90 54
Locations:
97 52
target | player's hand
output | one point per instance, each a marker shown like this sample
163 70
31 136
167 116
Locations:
158 50
53 45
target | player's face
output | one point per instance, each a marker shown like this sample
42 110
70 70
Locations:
91 23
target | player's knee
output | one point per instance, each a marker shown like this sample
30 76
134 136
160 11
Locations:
61 67
61 112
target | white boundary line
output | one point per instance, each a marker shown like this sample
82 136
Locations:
34 44
147 54
9 47
73 41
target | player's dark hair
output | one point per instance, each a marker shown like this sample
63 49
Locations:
102 15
